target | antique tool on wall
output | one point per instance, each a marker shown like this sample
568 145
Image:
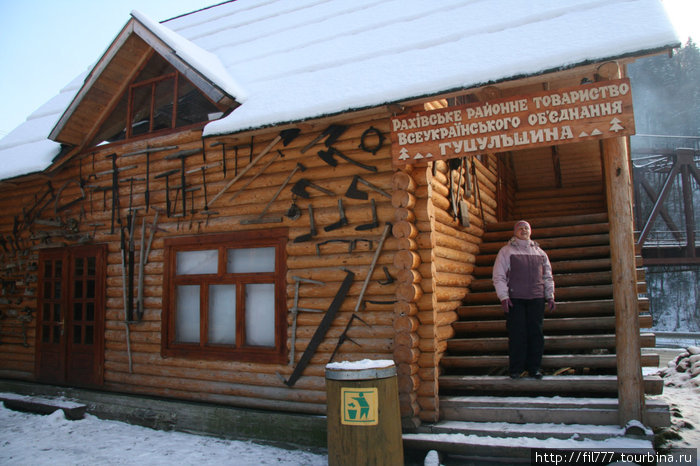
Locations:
154 228
296 309
166 175
148 151
361 296
354 193
131 265
115 188
115 185
36 209
300 186
261 218
142 258
293 213
453 165
352 243
389 279
477 192
127 317
342 221
377 252
333 132
203 169
182 155
323 327
328 156
312 233
286 136
344 336
380 140
223 154
131 180
375 221
254 177
463 204
58 206
334 240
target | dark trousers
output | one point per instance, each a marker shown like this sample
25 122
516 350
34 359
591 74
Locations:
525 335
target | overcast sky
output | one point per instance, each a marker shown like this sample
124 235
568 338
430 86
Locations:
44 44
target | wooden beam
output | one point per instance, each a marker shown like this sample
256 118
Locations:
618 183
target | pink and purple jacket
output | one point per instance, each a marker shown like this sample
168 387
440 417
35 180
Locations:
522 270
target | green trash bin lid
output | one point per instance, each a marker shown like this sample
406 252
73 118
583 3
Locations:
367 369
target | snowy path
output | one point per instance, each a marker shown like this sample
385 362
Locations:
33 440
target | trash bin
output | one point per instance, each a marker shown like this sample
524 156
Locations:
364 421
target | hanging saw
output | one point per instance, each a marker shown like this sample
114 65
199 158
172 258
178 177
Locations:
322 329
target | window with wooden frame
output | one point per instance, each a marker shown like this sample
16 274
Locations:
158 99
225 296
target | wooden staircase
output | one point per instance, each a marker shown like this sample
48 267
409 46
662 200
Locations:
577 397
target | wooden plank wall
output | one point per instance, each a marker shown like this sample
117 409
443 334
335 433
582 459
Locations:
435 261
247 384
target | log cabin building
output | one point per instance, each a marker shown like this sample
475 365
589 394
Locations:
231 199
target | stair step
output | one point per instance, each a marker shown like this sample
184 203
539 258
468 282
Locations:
571 325
561 280
564 309
589 252
556 410
533 430
549 232
510 449
551 244
561 384
564 265
34 404
551 343
562 207
569 293
549 361
546 222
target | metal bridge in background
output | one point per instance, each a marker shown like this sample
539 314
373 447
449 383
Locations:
666 187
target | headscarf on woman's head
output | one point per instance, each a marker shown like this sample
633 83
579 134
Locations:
519 223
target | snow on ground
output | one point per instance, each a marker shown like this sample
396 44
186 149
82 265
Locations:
33 440
682 393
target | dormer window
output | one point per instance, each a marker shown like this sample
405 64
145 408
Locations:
158 99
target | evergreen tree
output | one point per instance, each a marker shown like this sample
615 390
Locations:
666 92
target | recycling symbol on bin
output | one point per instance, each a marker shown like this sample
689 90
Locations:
359 406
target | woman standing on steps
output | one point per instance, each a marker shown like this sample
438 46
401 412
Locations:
522 276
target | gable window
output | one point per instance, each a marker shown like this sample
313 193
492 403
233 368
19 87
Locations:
158 99
225 296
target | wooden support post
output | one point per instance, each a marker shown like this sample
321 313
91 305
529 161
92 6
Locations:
618 183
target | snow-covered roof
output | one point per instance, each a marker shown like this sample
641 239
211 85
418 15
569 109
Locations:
291 60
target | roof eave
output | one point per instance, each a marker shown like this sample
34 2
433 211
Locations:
134 26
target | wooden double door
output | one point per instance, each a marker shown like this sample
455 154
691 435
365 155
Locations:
70 318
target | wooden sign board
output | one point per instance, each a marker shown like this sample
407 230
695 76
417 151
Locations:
575 114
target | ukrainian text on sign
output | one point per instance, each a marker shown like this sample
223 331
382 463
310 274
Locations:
591 111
